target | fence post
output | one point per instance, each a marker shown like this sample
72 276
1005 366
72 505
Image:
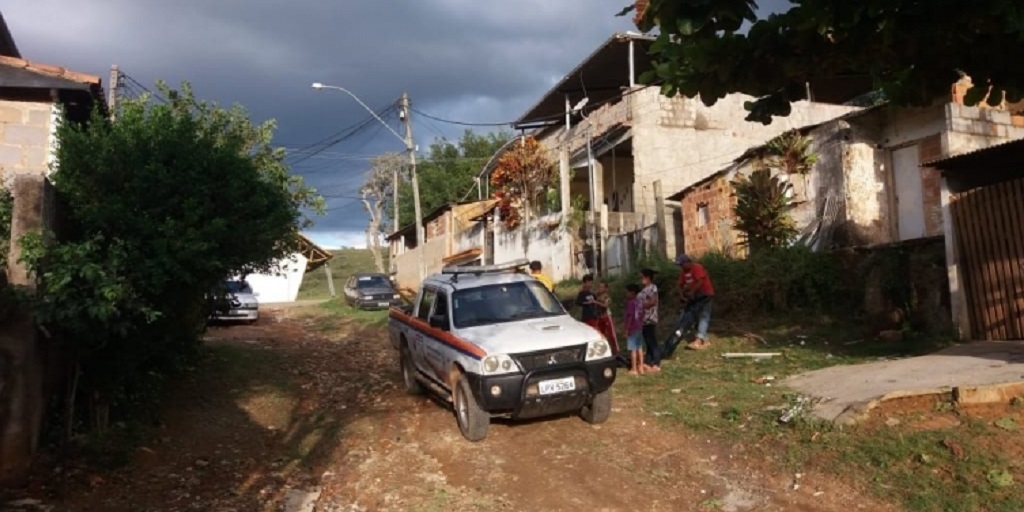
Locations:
659 213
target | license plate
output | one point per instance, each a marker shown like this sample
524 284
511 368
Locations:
548 387
382 304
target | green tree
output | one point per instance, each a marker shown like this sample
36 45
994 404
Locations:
910 50
449 171
161 206
762 210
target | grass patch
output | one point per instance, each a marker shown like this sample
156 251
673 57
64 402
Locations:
344 263
733 401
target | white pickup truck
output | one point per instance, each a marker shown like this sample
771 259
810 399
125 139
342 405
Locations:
497 343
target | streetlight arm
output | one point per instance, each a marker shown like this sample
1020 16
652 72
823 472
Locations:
319 86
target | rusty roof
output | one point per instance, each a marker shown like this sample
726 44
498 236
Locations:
49 70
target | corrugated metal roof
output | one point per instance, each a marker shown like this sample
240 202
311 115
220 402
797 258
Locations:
1010 150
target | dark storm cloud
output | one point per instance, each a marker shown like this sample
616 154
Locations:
460 59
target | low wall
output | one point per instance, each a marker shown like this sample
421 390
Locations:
904 285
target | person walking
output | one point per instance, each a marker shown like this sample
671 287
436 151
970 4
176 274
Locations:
648 300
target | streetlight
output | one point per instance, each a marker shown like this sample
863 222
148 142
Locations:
409 146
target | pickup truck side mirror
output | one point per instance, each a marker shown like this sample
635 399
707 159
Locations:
439 322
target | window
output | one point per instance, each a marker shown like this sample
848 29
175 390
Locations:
426 303
703 215
365 282
238 287
441 304
500 303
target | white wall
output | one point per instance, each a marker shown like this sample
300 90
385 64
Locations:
552 247
280 286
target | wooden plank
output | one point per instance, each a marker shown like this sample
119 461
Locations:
1015 208
998 231
1010 258
992 287
978 271
960 207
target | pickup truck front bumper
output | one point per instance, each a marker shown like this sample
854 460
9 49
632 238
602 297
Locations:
518 395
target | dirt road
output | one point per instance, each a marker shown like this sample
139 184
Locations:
292 414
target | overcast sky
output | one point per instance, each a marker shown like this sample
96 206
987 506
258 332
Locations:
466 60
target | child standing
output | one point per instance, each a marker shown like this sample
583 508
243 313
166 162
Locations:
604 324
648 299
634 330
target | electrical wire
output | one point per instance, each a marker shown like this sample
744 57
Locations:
551 117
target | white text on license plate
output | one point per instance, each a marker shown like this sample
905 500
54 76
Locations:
548 387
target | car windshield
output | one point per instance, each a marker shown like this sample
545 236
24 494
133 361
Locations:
499 303
363 282
238 287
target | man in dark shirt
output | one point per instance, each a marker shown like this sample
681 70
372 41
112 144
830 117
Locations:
585 300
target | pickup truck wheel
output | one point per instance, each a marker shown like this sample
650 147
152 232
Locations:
473 421
412 386
599 408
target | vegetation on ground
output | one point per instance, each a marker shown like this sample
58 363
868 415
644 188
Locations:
161 205
344 263
801 304
909 50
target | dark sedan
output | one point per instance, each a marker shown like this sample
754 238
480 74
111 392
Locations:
371 291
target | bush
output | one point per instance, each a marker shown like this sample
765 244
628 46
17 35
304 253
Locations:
161 206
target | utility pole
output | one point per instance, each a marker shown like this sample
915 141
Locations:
394 198
115 84
420 241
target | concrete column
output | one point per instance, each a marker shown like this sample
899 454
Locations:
957 297
22 360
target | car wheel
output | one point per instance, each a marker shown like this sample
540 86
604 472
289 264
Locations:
473 421
599 408
412 386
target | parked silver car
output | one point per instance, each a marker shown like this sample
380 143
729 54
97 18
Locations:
236 302
371 291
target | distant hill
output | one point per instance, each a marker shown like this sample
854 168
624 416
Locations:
346 261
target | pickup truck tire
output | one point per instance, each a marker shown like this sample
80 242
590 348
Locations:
473 421
599 409
409 382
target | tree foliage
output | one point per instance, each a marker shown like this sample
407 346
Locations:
449 171
161 206
377 198
791 153
519 180
910 50
762 210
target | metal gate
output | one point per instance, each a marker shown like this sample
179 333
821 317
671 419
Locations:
989 224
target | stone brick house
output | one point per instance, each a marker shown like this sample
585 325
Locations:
455 235
615 139
868 186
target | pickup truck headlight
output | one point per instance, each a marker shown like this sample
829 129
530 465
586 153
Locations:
598 350
396 296
499 364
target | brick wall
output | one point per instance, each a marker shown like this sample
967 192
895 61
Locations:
438 226
717 232
24 138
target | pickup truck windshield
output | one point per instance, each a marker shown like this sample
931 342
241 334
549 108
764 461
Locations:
499 303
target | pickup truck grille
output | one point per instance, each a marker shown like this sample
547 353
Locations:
551 358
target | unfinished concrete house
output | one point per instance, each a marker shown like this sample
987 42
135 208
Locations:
623 146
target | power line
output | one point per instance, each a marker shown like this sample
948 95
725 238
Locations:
143 87
551 117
